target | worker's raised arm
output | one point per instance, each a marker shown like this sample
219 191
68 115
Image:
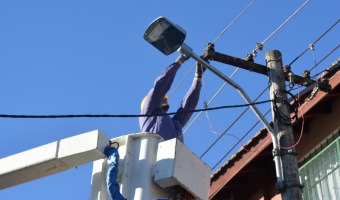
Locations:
191 98
162 85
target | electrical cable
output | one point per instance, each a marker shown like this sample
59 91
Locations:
286 148
225 155
244 10
324 58
324 70
232 124
225 83
279 115
126 116
259 46
302 126
212 98
314 42
303 5
232 135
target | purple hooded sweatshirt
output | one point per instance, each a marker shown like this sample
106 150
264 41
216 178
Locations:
166 126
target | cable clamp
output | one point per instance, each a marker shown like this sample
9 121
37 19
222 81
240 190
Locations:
259 46
249 57
205 104
287 69
291 77
281 152
279 96
311 46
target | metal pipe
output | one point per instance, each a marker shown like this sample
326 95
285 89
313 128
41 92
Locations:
185 49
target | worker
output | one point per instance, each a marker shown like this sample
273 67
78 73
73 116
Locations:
156 103
112 171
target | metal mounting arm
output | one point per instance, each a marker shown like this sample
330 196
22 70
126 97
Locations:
210 53
185 49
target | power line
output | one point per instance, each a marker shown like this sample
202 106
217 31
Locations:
126 116
259 46
303 5
244 10
312 45
325 57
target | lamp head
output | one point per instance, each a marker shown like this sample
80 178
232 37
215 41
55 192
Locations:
166 36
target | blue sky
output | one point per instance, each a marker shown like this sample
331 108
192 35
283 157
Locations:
89 57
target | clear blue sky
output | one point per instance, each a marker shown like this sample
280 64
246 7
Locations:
89 57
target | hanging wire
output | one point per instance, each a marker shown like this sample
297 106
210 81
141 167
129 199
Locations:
127 116
232 124
324 57
298 10
338 60
214 96
232 135
315 42
251 3
259 46
313 53
302 124
225 155
225 83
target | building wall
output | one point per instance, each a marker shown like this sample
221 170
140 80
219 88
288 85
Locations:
319 129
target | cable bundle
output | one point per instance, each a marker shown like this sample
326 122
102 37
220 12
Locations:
279 115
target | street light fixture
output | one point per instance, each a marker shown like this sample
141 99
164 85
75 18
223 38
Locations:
168 37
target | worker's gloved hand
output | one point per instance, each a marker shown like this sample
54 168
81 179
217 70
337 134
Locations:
182 58
111 154
200 69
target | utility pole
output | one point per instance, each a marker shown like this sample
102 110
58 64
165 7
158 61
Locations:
291 188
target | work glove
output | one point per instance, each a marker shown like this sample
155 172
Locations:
200 69
183 57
